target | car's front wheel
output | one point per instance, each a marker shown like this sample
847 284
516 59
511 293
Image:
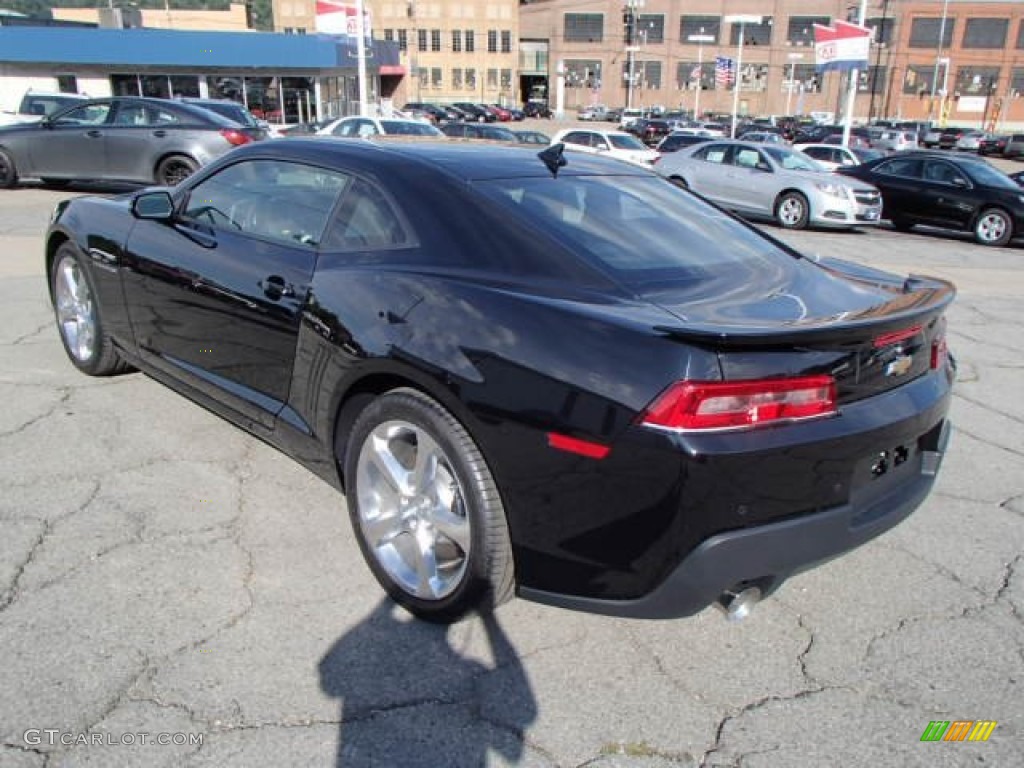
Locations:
993 227
792 211
425 508
175 169
78 316
8 171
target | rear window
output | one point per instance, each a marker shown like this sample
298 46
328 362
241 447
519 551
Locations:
646 232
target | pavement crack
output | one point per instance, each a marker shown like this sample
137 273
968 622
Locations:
26 336
987 407
63 401
986 441
802 656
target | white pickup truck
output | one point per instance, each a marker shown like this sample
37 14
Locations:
36 105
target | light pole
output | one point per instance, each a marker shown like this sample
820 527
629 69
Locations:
793 57
938 58
699 40
629 17
879 43
851 89
742 20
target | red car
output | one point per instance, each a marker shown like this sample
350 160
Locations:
500 112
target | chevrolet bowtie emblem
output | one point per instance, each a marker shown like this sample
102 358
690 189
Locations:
899 366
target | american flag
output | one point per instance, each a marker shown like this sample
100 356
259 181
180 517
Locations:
725 71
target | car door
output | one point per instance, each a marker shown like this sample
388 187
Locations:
948 198
711 171
899 181
752 183
215 295
135 138
73 145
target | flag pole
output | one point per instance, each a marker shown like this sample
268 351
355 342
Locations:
851 93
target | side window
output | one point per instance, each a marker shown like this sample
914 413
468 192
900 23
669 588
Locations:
906 167
162 117
580 138
817 153
748 158
90 114
939 171
131 114
716 153
347 128
598 141
366 221
273 199
367 129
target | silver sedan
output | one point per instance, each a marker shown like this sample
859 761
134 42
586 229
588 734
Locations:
772 182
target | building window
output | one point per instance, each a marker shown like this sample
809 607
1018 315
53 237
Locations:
646 74
470 41
754 77
753 34
423 74
421 39
506 79
289 30
801 29
403 39
807 79
67 84
457 78
924 33
650 28
690 75
882 29
872 80
435 40
1020 36
457 41
582 73
690 26
300 30
1017 81
389 34
506 41
986 33
584 27
471 79
976 81
918 79
492 79
492 41
435 77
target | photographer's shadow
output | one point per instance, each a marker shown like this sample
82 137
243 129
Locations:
409 698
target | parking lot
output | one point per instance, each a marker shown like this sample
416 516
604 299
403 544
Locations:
166 577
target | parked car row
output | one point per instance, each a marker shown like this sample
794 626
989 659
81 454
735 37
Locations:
464 111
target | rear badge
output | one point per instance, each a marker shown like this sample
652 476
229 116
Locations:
899 366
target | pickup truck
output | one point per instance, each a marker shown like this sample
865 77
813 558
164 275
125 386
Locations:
35 105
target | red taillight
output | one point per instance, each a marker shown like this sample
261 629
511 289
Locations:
706 405
939 349
235 138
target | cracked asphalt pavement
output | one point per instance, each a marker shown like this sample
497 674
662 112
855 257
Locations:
162 572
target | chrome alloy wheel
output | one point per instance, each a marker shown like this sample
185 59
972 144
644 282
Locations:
412 510
75 311
992 227
791 211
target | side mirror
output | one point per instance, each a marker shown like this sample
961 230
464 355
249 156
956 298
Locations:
153 206
959 181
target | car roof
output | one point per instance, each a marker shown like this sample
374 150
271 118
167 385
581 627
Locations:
464 160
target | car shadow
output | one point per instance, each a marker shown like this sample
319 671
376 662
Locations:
937 233
409 697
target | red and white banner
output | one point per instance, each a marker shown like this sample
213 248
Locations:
845 46
337 18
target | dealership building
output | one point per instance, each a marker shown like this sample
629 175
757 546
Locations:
283 78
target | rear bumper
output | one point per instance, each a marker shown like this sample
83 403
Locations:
767 554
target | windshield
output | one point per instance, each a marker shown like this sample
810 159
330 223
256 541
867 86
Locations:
626 142
991 177
792 161
642 230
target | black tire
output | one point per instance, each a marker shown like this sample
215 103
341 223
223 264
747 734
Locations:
175 169
901 224
78 315
8 171
993 227
792 211
460 490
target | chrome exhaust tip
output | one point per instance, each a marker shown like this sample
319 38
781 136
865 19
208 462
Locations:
737 605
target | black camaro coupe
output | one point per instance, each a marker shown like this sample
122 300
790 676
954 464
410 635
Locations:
559 377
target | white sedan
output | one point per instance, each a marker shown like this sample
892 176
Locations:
617 144
833 156
368 127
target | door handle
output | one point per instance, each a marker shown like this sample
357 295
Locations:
160 134
94 134
274 287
